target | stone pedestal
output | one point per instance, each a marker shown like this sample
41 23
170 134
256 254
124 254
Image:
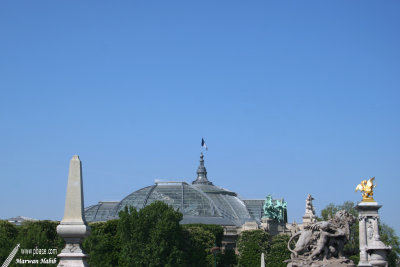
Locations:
309 218
249 226
73 227
333 262
273 226
373 252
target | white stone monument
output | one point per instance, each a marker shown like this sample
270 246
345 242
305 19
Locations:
373 252
73 227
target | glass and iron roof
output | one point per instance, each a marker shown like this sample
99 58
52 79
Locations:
199 202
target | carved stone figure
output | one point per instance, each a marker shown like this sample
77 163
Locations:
309 205
321 243
309 215
294 228
367 187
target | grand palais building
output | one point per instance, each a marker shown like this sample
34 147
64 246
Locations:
200 202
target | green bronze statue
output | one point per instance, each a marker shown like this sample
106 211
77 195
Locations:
275 209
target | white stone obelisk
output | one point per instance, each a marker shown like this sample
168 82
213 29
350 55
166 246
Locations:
73 227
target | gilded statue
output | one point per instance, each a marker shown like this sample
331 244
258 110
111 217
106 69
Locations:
367 187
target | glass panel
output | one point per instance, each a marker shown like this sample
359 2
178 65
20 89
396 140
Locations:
90 212
105 211
239 207
223 206
136 199
255 208
170 194
196 204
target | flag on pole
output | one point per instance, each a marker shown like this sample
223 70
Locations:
203 144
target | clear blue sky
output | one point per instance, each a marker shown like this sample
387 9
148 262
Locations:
292 97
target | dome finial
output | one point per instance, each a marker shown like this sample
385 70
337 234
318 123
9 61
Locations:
201 173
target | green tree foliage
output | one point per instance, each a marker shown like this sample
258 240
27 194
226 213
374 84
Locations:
388 236
278 251
250 246
228 258
199 239
198 243
8 235
103 245
152 236
330 210
216 230
41 235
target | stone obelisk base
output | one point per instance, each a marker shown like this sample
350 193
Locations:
72 260
72 255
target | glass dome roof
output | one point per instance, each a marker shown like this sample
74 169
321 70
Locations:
179 195
200 202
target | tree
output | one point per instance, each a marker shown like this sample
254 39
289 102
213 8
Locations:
41 236
330 210
103 245
216 230
389 237
151 237
8 234
198 243
228 258
278 251
250 246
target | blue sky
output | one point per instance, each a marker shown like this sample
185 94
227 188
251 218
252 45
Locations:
292 97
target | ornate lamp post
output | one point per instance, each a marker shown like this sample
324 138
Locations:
373 252
214 251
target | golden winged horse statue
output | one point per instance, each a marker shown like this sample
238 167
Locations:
367 187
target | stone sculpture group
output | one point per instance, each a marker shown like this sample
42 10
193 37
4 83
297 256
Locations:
321 243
